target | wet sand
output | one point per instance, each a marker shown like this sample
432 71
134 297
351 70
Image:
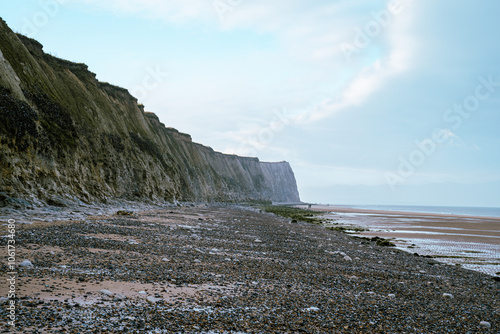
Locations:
229 269
470 241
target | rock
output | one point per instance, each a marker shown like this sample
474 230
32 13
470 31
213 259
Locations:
485 324
448 295
152 300
311 309
106 292
391 295
120 296
347 258
142 293
26 264
124 213
132 242
257 241
57 201
165 259
3 300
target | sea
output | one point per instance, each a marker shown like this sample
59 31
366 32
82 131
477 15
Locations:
471 242
454 210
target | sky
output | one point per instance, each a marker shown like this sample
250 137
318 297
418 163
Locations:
372 102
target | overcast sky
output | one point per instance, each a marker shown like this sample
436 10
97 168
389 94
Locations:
372 102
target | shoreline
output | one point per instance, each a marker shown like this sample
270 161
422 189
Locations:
345 209
469 241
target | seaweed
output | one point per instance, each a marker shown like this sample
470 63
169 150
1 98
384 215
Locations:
297 214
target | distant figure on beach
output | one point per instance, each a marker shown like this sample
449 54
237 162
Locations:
309 206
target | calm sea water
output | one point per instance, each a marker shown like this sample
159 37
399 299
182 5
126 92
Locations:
471 243
456 210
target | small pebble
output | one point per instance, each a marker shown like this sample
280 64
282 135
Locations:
106 292
485 324
311 309
26 264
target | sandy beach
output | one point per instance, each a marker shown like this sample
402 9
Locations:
229 269
470 241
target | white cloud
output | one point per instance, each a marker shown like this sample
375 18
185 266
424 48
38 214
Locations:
169 11
372 78
327 175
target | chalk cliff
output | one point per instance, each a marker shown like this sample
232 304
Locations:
65 136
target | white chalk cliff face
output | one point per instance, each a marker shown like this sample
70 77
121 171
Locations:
66 136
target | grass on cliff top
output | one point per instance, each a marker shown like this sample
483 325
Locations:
308 216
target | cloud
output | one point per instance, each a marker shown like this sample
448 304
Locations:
454 140
319 175
175 11
368 79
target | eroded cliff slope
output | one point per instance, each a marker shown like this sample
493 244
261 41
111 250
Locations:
66 136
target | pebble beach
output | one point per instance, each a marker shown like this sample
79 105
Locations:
231 269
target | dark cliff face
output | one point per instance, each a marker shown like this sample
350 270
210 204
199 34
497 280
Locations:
65 134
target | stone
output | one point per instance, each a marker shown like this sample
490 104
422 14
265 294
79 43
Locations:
311 309
448 295
485 324
106 292
26 264
124 213
152 300
57 201
120 296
